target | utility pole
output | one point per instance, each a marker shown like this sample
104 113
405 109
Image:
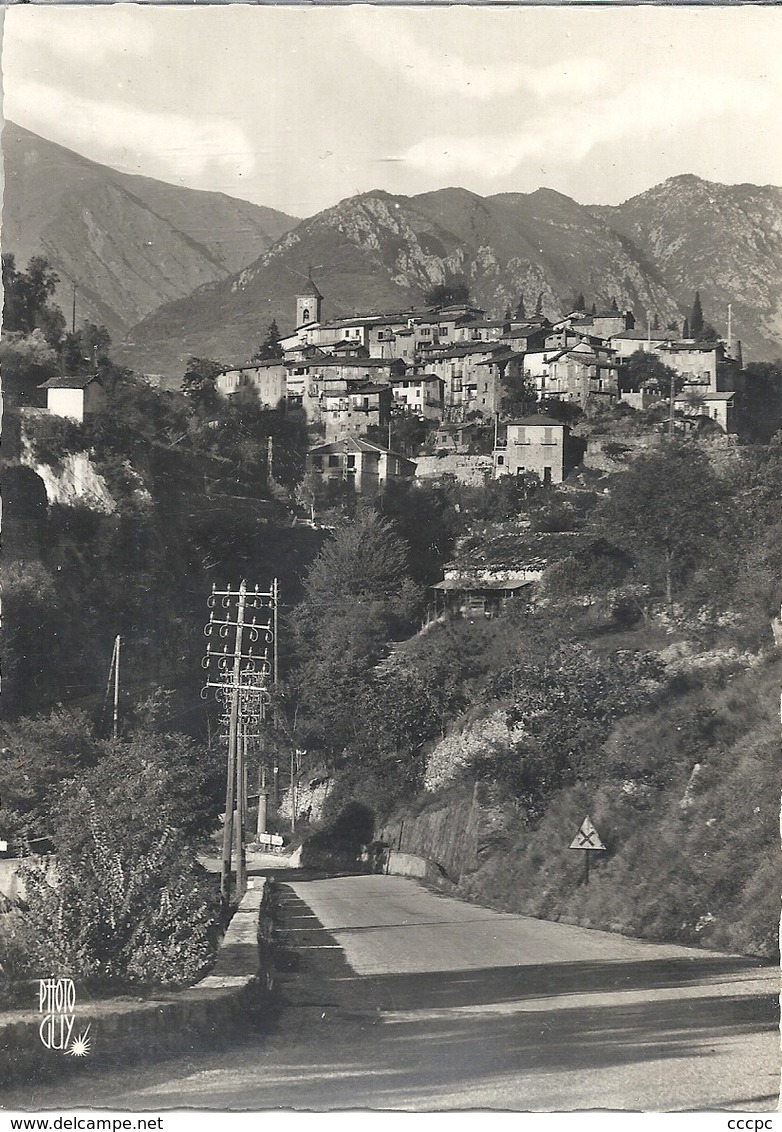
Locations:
73 310
269 459
115 716
293 790
113 677
670 414
275 630
240 679
225 876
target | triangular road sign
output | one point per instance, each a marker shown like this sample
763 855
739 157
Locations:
587 837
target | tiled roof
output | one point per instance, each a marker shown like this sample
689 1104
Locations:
353 444
309 288
641 336
463 348
267 363
539 419
329 361
74 382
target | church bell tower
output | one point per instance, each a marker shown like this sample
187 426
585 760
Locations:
308 304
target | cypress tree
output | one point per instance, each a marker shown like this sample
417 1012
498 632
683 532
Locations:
686 329
696 318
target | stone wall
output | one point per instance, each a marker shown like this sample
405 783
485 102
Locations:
471 470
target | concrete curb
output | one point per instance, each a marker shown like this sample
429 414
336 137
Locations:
122 1029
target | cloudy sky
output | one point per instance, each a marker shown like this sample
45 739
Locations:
299 107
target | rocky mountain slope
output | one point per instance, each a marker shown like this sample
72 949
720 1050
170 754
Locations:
129 243
723 240
377 251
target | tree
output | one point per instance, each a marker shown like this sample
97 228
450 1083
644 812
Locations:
763 399
27 361
669 513
708 336
447 294
686 328
539 304
199 384
656 321
614 305
594 309
271 347
580 303
357 594
519 394
646 370
36 756
26 298
696 317
521 312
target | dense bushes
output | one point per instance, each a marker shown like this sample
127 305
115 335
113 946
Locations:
122 904
123 900
686 799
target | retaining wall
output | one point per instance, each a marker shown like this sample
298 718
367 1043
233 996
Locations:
122 1028
471 470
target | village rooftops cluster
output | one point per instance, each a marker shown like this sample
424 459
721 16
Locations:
450 365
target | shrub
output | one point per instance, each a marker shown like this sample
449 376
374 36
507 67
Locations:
116 910
51 438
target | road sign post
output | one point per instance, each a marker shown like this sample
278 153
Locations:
588 840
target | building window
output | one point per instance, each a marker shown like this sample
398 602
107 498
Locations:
500 459
351 461
317 462
333 461
546 476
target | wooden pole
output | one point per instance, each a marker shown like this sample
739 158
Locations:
230 788
115 719
239 819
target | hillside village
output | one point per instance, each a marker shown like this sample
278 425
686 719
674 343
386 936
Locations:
486 398
511 552
449 365
391 635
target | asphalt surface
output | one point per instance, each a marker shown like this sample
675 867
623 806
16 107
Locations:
392 997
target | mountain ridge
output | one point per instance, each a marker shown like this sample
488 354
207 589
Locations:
176 272
129 242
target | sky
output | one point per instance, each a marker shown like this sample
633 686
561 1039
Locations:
300 107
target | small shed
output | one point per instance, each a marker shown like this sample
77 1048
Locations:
474 596
75 397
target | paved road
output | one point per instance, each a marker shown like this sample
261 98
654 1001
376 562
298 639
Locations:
398 998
